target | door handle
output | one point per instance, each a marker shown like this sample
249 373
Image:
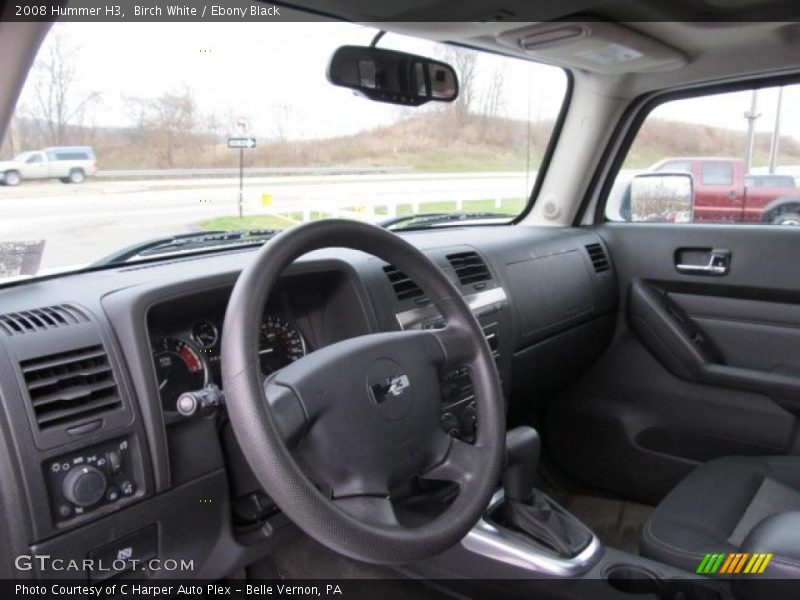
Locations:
719 263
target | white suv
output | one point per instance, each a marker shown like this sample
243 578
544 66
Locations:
70 164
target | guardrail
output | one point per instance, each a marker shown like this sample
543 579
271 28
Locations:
248 172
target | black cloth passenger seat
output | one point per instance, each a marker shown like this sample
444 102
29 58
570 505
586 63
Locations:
718 506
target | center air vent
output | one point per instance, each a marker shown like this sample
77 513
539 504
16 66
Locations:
469 267
598 258
40 319
70 386
404 288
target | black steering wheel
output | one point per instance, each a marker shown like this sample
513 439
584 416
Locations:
362 416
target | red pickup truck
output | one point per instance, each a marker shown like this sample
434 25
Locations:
724 193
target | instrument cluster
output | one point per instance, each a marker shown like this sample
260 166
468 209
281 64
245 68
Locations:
188 360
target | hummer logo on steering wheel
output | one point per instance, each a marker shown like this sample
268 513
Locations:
394 386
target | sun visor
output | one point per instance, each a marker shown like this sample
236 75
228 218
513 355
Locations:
593 46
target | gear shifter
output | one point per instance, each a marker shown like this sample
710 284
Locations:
530 512
522 459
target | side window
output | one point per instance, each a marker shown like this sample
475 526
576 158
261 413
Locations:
720 158
34 158
676 166
717 172
72 156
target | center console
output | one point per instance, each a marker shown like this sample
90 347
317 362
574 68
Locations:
458 415
526 528
527 545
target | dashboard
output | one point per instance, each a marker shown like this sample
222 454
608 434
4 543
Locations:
93 453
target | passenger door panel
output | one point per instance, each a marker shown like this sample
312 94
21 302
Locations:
701 367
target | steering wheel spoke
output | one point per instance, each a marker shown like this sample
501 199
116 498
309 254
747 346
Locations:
377 510
458 345
286 411
458 464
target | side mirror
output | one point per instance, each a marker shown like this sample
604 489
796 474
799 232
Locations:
393 77
661 197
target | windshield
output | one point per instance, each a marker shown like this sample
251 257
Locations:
143 116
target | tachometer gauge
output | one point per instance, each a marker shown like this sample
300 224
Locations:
205 334
280 343
179 368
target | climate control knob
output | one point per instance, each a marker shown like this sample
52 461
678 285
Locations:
84 485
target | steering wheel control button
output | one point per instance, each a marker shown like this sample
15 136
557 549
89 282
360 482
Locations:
390 388
84 486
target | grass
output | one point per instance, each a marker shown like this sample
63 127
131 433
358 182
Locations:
252 222
510 206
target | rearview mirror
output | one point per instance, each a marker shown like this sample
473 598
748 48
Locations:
392 76
661 197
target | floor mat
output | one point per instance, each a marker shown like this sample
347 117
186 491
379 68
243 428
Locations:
617 523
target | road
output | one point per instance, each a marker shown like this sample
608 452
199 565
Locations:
82 223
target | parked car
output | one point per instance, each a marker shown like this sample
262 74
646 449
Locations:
723 192
70 164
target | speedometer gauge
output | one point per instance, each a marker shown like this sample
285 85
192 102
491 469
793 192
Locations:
280 343
179 368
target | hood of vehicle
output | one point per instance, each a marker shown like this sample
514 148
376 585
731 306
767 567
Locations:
7 164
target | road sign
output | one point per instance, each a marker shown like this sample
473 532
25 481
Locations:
243 125
242 142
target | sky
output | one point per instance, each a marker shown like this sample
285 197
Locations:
251 69
273 74
727 110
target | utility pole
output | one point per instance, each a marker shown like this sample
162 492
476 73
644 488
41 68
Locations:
751 117
774 147
243 126
241 181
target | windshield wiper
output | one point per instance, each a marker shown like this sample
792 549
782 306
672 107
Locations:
187 242
433 219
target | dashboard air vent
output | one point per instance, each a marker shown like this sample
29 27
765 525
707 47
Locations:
69 386
598 258
469 267
404 288
40 319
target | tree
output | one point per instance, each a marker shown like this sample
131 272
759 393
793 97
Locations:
493 97
282 114
465 63
56 104
167 123
218 124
